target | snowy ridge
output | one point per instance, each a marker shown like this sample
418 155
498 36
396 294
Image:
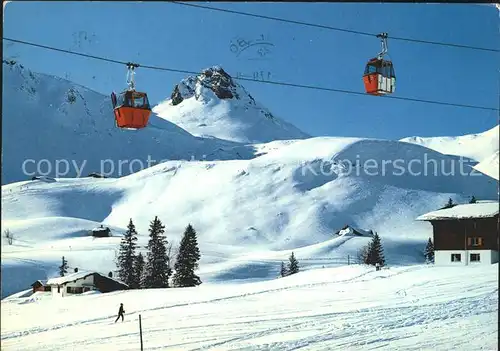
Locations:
479 146
44 116
490 166
212 104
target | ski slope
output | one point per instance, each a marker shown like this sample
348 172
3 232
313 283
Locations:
343 308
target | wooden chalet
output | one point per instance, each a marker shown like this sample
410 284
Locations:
101 232
83 281
40 285
465 234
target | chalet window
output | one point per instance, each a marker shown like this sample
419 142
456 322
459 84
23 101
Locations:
456 257
474 241
74 290
58 289
475 257
46 288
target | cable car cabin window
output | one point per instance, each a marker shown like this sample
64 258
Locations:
146 102
388 70
124 99
138 101
393 73
141 101
370 68
119 100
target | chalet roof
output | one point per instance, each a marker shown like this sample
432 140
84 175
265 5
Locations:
76 276
480 209
100 229
69 278
41 282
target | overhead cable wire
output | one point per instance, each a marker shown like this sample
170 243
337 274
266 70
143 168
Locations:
322 26
303 86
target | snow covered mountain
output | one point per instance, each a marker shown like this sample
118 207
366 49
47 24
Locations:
479 147
49 119
212 104
251 204
250 214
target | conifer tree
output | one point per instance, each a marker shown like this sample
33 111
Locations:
187 260
429 252
473 200
449 204
63 268
293 265
126 255
157 269
283 271
375 252
139 272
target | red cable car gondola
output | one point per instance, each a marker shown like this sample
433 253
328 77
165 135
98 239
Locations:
379 77
131 108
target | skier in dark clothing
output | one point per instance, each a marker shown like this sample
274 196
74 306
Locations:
121 311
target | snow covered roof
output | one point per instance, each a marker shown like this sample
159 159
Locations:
482 209
348 230
69 278
75 276
42 282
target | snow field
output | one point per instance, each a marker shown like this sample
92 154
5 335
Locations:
352 308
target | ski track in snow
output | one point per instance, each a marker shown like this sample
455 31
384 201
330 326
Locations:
408 308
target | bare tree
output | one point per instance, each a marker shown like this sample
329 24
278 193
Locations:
362 254
172 254
9 236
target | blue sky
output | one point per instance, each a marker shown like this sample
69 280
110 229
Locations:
170 35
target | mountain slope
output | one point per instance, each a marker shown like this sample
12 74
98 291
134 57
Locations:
490 166
51 120
478 146
249 214
212 104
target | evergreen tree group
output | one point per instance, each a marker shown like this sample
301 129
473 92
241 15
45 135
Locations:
153 270
187 260
429 252
291 268
373 253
